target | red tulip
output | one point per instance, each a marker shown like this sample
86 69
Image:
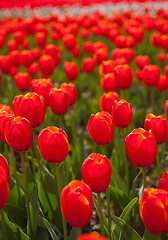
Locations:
162 83
100 55
69 41
15 58
18 36
71 70
151 75
41 39
122 113
92 236
141 147
33 68
26 58
47 65
123 76
85 33
97 172
76 51
22 81
163 182
88 65
5 108
88 47
30 106
107 67
158 126
107 101
5 63
153 210
12 45
4 165
35 53
161 57
142 61
108 82
4 118
59 101
18 134
166 109
42 87
53 144
70 88
77 203
101 128
4 189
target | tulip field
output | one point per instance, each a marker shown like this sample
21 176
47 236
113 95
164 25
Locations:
83 125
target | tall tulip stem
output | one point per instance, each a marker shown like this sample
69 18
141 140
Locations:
100 214
6 152
152 98
36 150
125 158
144 177
3 225
26 193
158 166
60 189
61 125
15 172
80 231
159 237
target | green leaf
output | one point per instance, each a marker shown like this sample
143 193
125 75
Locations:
42 234
118 182
50 229
149 236
74 234
11 229
130 233
34 213
125 214
121 198
47 193
105 223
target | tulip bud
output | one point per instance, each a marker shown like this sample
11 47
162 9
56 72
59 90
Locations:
141 147
151 75
30 106
122 113
59 101
69 41
78 195
18 134
101 167
101 128
88 65
108 82
71 70
153 210
22 81
70 88
123 76
53 144
142 61
107 100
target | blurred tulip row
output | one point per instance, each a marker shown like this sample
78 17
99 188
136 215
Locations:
83 127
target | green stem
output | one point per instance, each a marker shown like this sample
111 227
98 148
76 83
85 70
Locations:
103 150
28 162
5 236
15 172
108 209
36 150
125 158
144 177
61 125
26 193
152 97
6 152
159 237
60 189
32 161
80 231
100 214
158 166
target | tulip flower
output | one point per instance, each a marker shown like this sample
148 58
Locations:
163 182
4 118
33 68
101 128
30 106
5 64
69 41
53 144
77 203
5 108
142 61
102 169
71 70
123 76
122 113
153 210
166 109
88 47
41 39
151 75
26 58
76 51
107 101
108 82
158 125
47 65
18 36
88 65
100 55
18 134
71 89
107 67
92 236
42 87
141 147
59 101
162 84
22 81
